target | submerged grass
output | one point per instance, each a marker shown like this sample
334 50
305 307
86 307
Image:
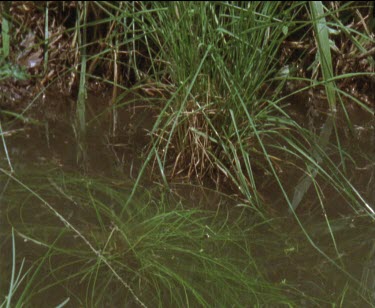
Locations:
74 244
161 252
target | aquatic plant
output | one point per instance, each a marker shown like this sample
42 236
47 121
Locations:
253 98
160 252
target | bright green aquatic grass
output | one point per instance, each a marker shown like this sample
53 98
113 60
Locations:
160 253
171 255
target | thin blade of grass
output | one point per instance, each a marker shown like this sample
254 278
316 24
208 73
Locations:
322 39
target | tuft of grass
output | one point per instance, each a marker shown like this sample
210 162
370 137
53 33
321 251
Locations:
217 78
220 68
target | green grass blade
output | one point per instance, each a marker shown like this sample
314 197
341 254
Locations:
325 60
6 149
5 27
81 117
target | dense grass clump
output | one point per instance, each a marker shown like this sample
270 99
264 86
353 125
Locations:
221 76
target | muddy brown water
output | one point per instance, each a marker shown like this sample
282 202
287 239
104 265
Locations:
121 157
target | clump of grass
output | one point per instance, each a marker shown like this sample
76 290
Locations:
220 66
225 118
219 72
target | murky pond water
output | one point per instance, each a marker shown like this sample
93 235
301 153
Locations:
83 243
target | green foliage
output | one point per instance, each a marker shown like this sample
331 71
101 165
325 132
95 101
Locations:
5 26
10 70
160 253
221 58
165 252
221 79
